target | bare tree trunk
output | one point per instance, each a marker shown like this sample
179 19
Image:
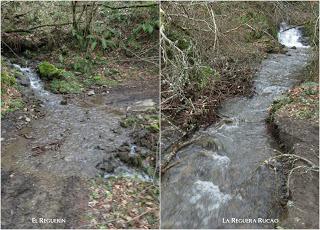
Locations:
89 18
74 22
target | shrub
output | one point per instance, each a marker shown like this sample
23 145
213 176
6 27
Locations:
7 79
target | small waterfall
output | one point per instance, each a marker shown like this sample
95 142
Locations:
290 36
37 85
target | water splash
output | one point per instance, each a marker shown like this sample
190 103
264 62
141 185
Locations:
133 150
290 37
37 85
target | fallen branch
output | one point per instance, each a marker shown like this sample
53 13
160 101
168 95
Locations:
10 49
261 30
314 169
29 30
292 27
128 7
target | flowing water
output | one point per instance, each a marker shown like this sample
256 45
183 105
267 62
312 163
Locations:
78 134
223 174
46 165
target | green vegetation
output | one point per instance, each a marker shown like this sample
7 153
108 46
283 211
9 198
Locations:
15 104
10 95
78 43
302 102
62 81
49 71
146 121
65 86
7 79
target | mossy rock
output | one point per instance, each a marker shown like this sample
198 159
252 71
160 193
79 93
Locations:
49 71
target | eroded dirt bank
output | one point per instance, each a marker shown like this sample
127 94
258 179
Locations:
299 138
49 160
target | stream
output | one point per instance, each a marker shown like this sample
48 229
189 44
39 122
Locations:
227 177
47 164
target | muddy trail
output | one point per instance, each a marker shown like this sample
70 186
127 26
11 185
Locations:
227 177
47 162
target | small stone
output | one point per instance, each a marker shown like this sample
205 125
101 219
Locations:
98 147
64 102
27 119
293 47
91 92
25 109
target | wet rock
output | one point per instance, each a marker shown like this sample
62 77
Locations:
207 143
124 148
107 166
98 147
91 93
64 101
146 139
24 82
124 156
133 160
293 47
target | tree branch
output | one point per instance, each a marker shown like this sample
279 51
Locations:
132 6
36 27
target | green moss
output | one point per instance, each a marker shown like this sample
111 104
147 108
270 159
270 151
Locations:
49 71
63 86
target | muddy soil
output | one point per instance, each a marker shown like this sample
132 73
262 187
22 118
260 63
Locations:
47 160
300 137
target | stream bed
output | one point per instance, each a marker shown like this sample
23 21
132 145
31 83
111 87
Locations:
227 177
47 163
